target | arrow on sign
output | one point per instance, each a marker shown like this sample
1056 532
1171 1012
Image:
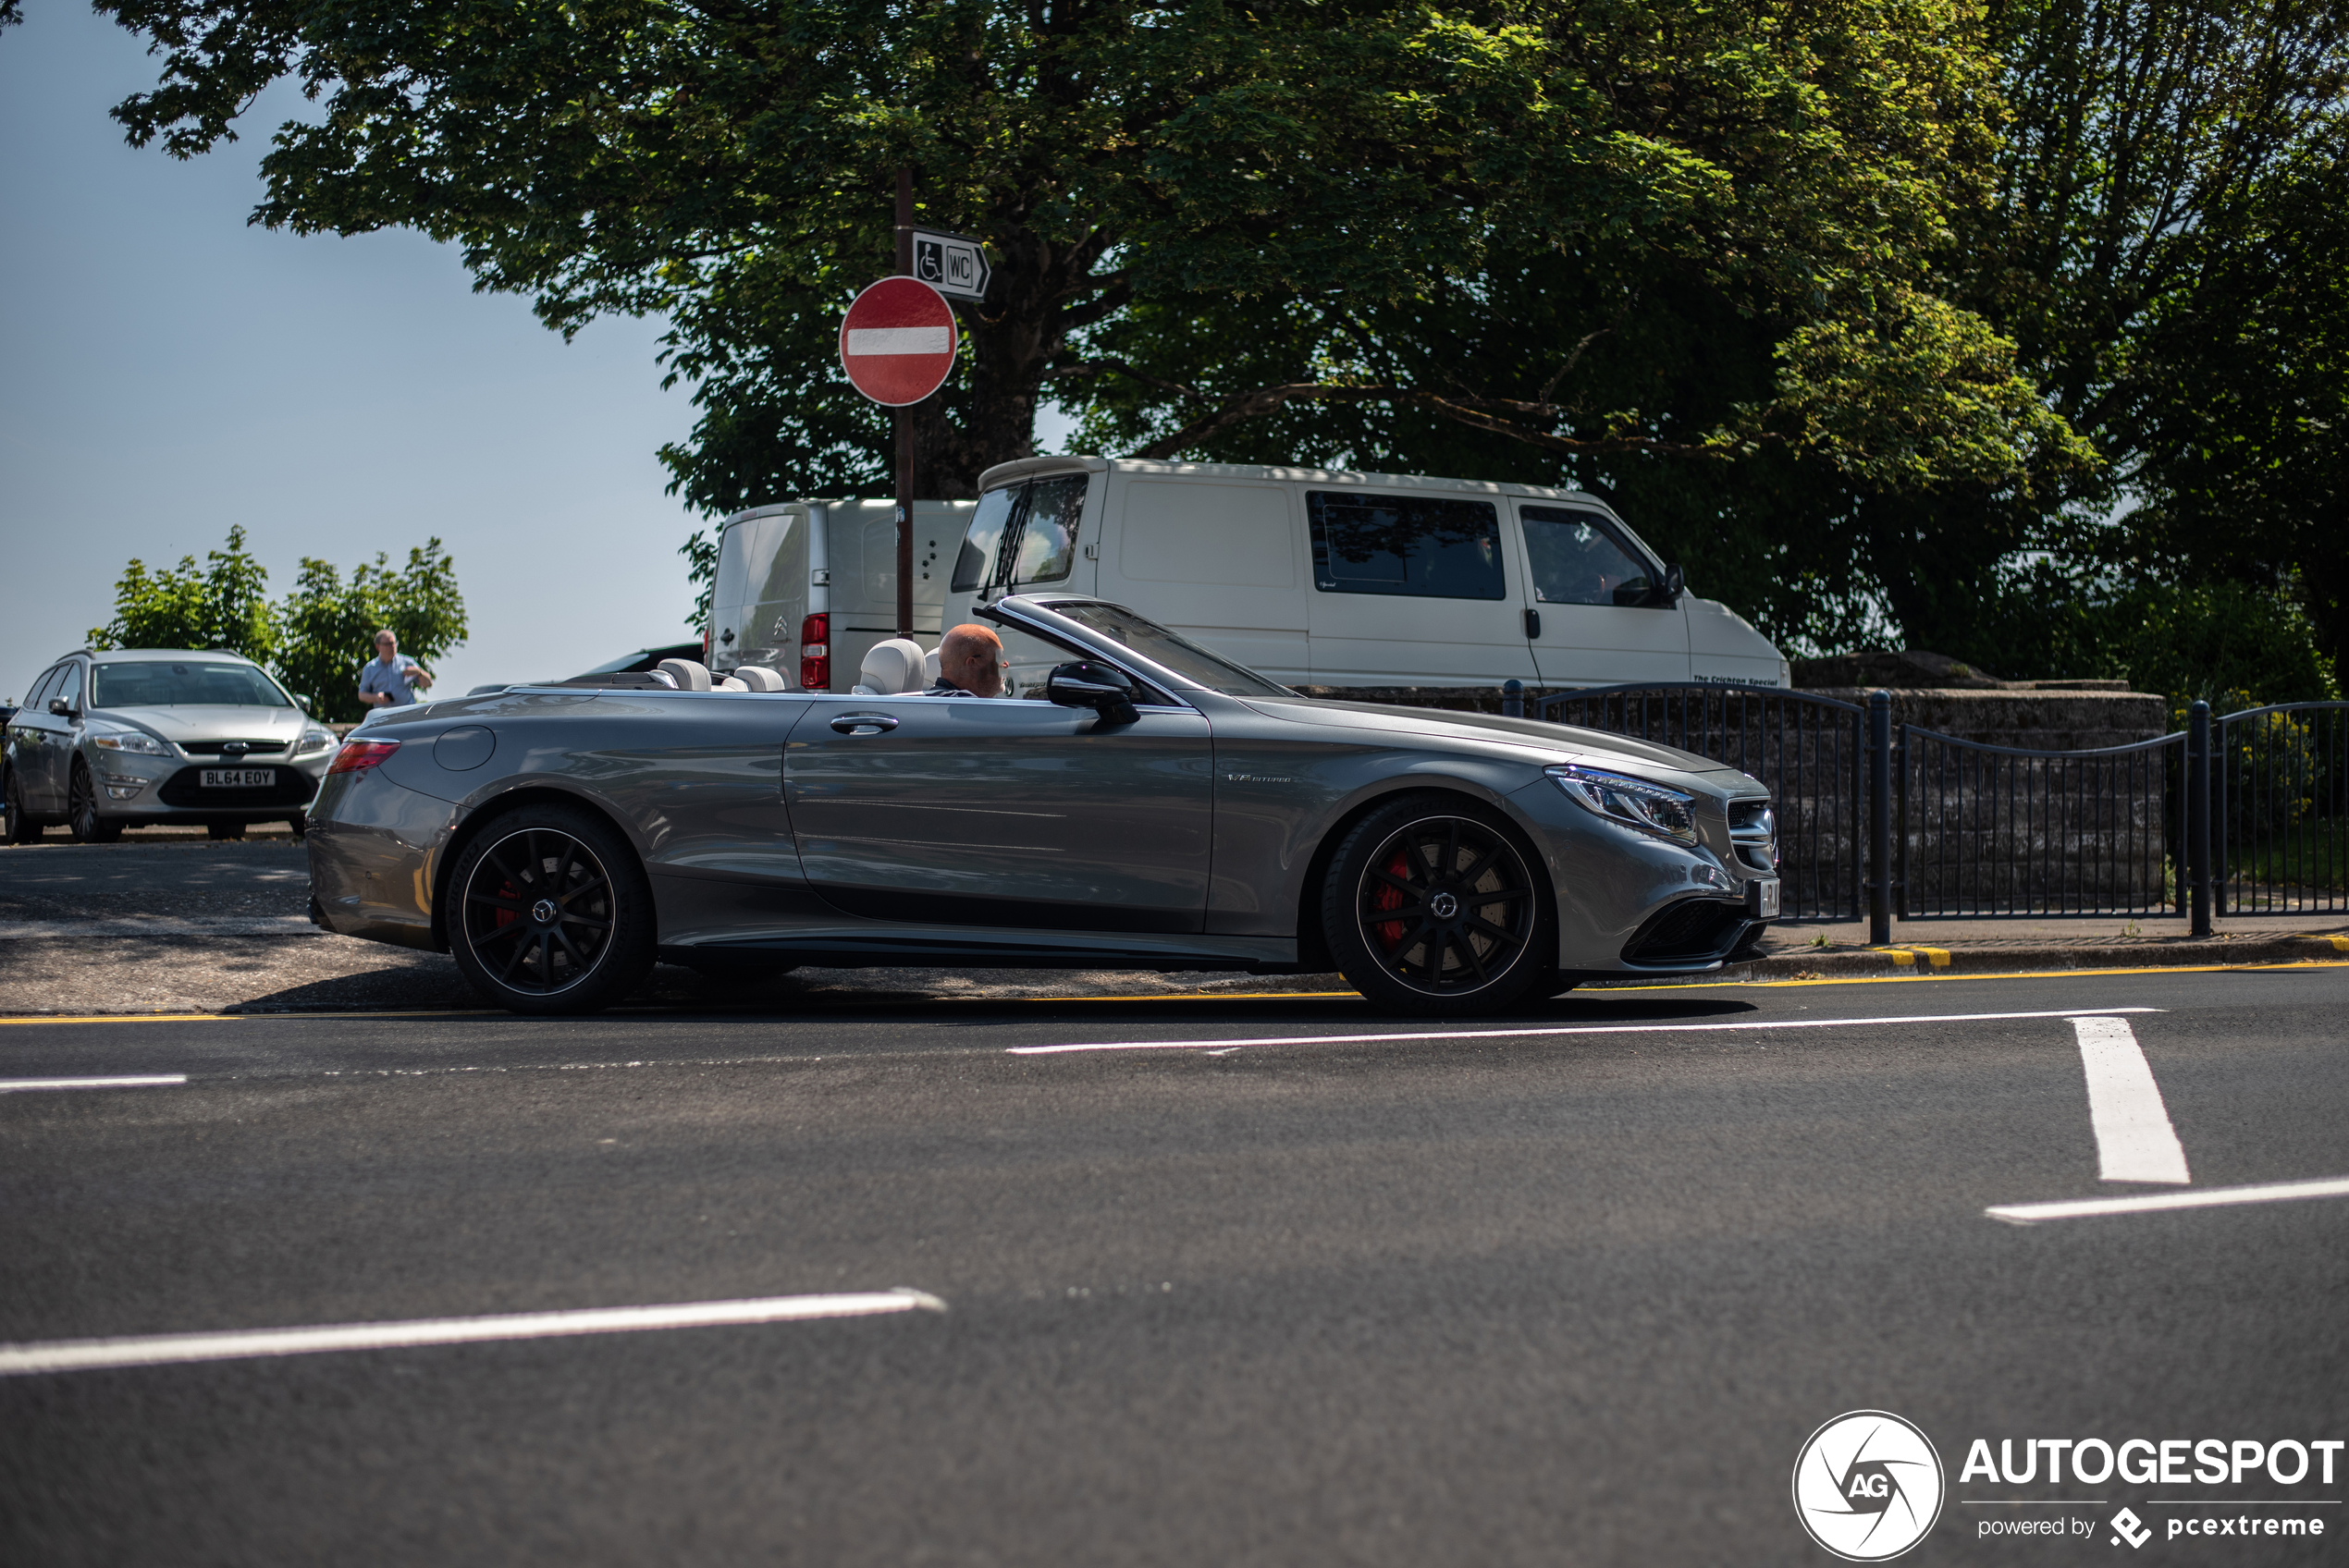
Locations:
897 341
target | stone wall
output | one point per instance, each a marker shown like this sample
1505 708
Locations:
2039 720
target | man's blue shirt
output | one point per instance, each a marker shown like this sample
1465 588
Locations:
388 679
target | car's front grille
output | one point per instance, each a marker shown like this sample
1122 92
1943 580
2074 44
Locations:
1692 931
1754 832
215 748
186 787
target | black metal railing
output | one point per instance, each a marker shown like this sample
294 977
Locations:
2246 813
2280 809
1999 830
1806 748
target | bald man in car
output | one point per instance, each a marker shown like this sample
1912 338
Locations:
970 664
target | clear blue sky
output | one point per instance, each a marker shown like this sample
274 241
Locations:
167 370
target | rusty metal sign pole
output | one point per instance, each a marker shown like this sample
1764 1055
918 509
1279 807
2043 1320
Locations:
902 419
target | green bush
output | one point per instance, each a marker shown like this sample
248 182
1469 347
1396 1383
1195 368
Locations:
315 638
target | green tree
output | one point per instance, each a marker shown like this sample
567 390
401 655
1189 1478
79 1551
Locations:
222 604
330 622
1249 174
2163 216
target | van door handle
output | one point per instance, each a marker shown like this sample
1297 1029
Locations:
1532 625
863 723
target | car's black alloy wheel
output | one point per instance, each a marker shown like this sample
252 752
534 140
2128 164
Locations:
81 810
549 913
1433 906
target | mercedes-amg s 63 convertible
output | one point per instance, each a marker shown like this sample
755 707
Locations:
1143 803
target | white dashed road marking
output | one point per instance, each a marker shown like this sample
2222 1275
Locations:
162 1349
2147 1203
150 1081
2135 1140
1220 1045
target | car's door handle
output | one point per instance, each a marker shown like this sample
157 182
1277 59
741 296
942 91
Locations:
863 723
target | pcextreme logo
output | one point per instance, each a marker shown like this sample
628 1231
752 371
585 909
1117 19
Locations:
1868 1485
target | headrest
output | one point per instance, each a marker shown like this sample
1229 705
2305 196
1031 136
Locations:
893 667
930 668
689 676
759 678
728 683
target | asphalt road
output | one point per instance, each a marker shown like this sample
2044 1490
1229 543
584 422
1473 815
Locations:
1512 1298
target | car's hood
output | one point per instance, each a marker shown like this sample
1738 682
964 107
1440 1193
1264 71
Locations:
1565 740
212 722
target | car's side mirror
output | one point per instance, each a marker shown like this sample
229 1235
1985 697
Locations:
1089 683
61 707
302 698
1657 596
1674 585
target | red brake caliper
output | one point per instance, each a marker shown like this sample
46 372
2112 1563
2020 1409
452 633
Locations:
1389 896
505 916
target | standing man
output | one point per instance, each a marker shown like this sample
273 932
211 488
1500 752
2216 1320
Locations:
388 680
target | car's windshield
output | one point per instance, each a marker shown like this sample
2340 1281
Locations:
1171 650
157 684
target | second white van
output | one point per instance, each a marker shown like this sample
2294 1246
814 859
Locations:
1357 580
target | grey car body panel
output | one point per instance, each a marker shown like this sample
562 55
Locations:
1006 832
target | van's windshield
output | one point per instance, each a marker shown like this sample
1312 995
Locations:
1022 533
1170 650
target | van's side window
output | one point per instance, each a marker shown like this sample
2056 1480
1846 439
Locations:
1576 558
1429 546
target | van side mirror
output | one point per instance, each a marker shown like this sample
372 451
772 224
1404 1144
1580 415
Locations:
1662 596
1675 584
1089 683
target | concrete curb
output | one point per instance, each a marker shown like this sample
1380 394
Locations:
1918 958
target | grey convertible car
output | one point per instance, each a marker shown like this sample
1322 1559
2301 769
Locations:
1159 808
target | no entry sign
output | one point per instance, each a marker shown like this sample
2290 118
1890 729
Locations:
897 341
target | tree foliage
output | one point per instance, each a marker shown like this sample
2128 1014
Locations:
222 604
315 638
1299 165
331 621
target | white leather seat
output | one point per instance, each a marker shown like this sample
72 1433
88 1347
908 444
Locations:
759 678
689 676
891 668
930 670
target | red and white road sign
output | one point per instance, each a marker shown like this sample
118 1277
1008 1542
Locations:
897 341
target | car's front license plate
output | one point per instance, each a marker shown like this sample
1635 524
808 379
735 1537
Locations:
239 778
1761 899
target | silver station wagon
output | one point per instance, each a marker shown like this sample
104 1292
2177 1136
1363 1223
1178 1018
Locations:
139 736
1144 804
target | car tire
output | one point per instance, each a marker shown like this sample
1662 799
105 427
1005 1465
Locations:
548 912
1436 905
224 829
82 817
21 827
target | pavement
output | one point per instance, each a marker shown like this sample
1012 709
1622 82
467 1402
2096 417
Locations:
168 921
1201 1278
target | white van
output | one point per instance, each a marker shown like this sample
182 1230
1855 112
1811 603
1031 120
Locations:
1357 580
806 588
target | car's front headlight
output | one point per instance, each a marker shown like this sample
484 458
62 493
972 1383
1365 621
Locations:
313 739
132 740
1635 802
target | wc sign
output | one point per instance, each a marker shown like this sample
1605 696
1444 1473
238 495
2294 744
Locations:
952 263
